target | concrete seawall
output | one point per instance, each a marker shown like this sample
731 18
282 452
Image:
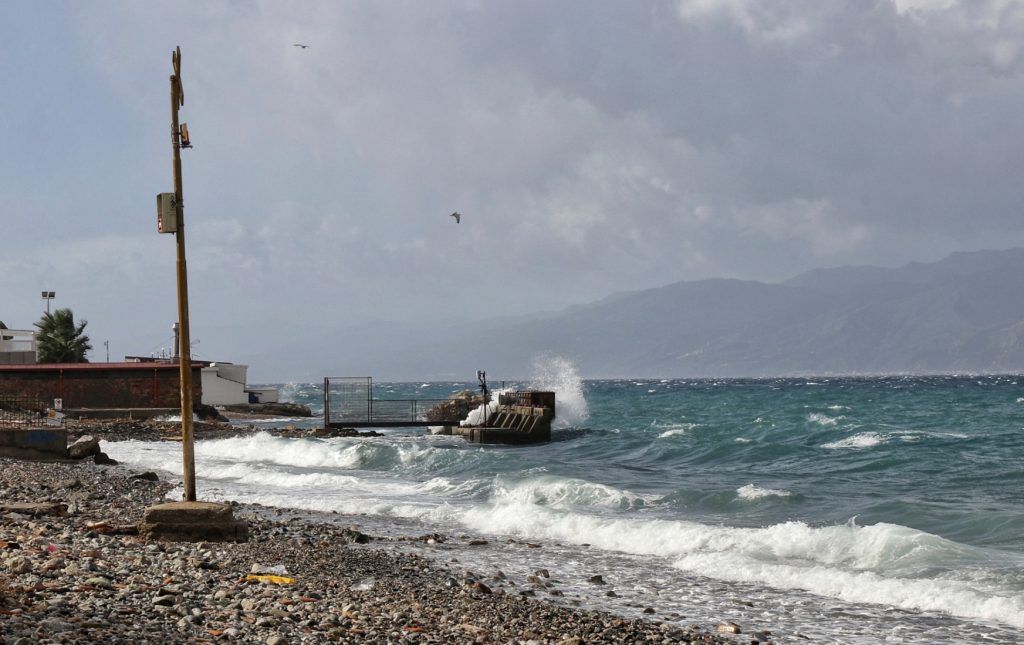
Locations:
34 443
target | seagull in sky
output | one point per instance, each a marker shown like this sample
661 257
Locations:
457 216
300 45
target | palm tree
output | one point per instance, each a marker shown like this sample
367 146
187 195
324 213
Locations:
59 340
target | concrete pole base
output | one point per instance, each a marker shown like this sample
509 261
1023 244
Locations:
193 522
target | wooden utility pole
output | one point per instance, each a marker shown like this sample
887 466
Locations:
184 345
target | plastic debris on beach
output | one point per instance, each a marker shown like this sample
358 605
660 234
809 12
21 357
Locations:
365 585
277 580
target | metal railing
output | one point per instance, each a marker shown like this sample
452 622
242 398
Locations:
349 402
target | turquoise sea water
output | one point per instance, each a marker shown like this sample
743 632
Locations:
841 509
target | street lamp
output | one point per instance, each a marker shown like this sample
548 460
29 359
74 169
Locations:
48 296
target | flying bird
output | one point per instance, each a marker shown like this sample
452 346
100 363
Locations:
300 45
457 216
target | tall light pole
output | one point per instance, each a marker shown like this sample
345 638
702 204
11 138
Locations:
48 296
180 139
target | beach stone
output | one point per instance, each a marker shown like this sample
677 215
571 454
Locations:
729 627
103 459
480 587
83 447
596 580
34 509
19 565
98 581
354 536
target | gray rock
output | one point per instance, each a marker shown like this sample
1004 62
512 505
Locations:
19 565
84 446
103 459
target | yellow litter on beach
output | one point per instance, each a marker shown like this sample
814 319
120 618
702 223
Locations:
277 580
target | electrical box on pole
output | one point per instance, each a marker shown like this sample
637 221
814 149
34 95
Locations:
166 213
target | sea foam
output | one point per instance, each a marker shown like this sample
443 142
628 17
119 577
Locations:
862 440
823 419
750 491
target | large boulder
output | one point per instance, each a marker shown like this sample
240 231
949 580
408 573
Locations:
84 446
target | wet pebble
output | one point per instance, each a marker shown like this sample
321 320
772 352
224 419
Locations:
75 579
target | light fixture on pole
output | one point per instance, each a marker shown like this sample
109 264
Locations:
48 296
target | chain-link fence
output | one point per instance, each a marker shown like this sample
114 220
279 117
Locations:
26 411
349 402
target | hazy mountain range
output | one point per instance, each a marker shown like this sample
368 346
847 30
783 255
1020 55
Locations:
962 314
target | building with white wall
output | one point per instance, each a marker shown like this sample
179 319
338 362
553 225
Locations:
17 347
224 384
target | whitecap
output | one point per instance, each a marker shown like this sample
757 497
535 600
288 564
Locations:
823 419
678 429
563 493
862 440
752 491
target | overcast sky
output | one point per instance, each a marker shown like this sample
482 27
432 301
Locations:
592 147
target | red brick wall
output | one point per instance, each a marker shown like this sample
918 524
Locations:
100 385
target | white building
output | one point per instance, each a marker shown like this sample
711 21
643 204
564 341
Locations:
224 384
17 347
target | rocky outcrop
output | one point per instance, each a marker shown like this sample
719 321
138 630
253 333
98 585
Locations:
274 409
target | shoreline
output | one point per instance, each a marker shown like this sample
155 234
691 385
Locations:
83 576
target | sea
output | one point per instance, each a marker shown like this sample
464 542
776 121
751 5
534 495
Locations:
831 509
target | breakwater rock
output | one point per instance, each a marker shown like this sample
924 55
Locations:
271 409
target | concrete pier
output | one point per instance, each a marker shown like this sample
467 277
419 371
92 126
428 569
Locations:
193 522
520 418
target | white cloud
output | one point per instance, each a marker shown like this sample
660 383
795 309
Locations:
815 222
769 22
592 148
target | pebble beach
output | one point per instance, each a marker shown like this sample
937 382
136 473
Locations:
74 569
